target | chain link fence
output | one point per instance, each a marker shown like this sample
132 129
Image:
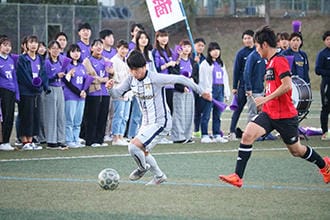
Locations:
45 21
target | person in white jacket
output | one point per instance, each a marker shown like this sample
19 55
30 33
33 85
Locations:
213 78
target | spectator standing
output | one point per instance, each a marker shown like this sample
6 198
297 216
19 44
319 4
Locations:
322 68
199 44
213 79
9 92
238 79
122 104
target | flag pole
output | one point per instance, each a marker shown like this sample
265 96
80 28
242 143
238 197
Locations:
188 27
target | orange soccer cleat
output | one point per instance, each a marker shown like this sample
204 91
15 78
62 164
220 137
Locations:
326 170
232 179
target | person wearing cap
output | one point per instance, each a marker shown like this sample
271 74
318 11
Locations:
85 33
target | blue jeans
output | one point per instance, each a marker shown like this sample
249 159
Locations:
73 112
206 112
135 119
120 116
241 101
217 94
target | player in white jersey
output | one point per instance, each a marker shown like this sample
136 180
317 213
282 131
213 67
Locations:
156 118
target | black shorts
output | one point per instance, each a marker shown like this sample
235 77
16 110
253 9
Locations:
288 127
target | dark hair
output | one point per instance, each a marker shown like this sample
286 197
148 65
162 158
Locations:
122 42
140 26
4 38
185 42
50 44
104 33
325 35
266 34
213 46
84 26
295 34
248 32
72 48
145 51
32 38
135 60
157 46
284 36
23 43
61 34
197 40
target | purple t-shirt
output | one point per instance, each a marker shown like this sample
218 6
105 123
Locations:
99 67
85 50
131 45
109 54
78 80
52 69
217 74
8 78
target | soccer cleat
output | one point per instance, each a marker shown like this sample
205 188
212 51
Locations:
137 173
157 180
326 170
232 179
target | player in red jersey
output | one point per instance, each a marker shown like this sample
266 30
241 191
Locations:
278 112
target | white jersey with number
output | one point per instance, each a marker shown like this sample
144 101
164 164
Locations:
150 93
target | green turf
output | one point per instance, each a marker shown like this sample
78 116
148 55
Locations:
51 184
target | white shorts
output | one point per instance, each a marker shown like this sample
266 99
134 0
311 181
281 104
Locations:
150 135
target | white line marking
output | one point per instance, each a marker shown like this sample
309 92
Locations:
128 155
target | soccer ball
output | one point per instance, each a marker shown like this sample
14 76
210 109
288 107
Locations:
108 179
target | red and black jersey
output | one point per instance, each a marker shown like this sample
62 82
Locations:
280 107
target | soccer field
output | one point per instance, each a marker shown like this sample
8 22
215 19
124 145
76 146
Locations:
51 184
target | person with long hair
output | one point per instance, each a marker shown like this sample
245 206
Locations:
143 45
32 79
213 78
164 62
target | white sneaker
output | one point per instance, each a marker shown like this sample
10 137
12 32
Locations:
157 180
82 141
104 144
120 142
6 147
206 140
137 173
36 147
107 138
73 145
220 139
80 144
232 136
96 145
27 146
164 140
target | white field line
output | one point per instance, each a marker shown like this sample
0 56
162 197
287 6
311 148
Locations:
128 155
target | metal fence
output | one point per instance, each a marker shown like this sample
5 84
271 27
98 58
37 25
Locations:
19 20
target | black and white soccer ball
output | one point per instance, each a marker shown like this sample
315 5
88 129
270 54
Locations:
108 179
